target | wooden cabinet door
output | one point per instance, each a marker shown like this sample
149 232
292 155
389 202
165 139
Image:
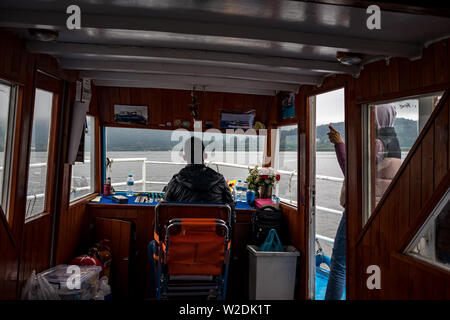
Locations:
118 232
238 273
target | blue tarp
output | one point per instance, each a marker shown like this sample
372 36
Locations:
321 284
240 205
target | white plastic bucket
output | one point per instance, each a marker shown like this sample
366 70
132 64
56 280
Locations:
272 274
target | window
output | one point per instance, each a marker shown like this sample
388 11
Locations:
432 242
83 173
391 130
39 153
232 154
154 156
7 116
286 163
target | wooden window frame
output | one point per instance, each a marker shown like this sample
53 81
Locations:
293 204
53 85
5 212
103 152
369 204
94 162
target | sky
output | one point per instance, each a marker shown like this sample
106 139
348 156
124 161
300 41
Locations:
43 104
408 109
4 98
330 107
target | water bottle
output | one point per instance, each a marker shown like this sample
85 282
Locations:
239 190
233 193
130 184
244 192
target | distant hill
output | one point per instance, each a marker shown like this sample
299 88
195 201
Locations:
160 140
288 140
406 133
154 140
322 141
138 140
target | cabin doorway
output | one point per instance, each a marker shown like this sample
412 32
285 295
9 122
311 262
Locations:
327 114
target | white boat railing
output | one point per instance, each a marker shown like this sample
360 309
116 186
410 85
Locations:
217 164
324 239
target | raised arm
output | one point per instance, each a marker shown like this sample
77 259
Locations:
339 147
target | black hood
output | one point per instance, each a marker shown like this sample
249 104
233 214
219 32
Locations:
198 177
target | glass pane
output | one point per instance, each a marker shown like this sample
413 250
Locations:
330 111
5 93
286 163
393 129
432 243
37 174
240 150
155 155
83 173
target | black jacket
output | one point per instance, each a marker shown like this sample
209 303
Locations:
198 183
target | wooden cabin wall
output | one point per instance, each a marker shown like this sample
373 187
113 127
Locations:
14 63
420 184
378 81
166 105
26 246
73 217
298 225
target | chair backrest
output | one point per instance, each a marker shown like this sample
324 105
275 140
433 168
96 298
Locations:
166 211
196 246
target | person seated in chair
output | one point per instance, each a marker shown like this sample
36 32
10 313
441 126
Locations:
197 182
194 183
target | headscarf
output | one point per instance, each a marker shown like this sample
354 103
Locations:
385 115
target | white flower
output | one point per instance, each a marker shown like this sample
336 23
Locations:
266 171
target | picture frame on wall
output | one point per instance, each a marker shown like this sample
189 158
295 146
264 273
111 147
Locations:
287 105
237 120
133 115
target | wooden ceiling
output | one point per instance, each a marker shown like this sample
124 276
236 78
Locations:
230 46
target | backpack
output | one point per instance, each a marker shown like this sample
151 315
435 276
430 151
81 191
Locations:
265 219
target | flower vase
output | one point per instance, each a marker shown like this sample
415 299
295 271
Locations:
265 191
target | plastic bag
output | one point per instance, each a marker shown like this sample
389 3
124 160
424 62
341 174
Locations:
104 290
272 242
38 288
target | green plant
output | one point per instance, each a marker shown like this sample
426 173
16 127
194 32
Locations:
253 181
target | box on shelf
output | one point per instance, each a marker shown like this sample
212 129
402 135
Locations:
58 277
262 203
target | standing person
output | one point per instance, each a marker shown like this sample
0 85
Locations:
336 281
388 161
387 149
